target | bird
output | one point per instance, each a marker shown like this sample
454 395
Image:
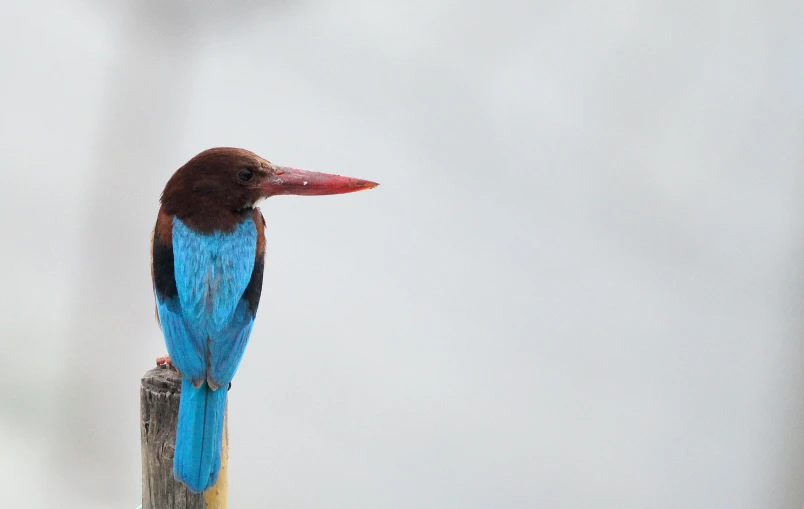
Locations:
207 263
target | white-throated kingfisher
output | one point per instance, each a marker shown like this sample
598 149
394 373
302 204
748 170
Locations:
207 269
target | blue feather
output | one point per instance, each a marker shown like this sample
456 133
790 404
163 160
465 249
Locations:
206 328
212 272
186 353
227 347
199 436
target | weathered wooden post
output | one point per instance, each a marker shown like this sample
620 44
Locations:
159 411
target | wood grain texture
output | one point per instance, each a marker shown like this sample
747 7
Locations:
159 408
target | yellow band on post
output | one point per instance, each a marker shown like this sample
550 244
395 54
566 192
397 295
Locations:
216 497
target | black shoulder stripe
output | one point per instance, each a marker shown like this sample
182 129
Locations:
163 270
254 288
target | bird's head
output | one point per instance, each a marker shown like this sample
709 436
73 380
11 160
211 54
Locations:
223 181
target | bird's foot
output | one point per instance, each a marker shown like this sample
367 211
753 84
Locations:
165 361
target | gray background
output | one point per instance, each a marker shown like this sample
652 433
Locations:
579 284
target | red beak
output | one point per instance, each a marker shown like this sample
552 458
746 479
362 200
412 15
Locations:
287 180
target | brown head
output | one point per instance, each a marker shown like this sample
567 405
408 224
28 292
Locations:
217 187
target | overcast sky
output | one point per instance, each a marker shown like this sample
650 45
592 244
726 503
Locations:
578 285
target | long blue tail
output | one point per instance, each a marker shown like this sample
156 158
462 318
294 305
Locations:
199 435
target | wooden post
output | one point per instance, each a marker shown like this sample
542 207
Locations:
159 410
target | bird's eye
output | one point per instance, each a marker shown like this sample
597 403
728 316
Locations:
245 175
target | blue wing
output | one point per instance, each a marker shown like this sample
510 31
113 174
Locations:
186 349
226 347
212 273
208 312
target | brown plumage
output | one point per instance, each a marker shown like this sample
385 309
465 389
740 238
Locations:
207 193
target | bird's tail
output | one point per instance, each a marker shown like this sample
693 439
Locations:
198 436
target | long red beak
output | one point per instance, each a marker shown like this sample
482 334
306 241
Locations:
287 180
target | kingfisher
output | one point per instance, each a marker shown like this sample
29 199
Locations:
207 263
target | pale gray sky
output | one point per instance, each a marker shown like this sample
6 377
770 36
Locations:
579 284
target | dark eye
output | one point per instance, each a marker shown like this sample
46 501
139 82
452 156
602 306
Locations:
245 175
